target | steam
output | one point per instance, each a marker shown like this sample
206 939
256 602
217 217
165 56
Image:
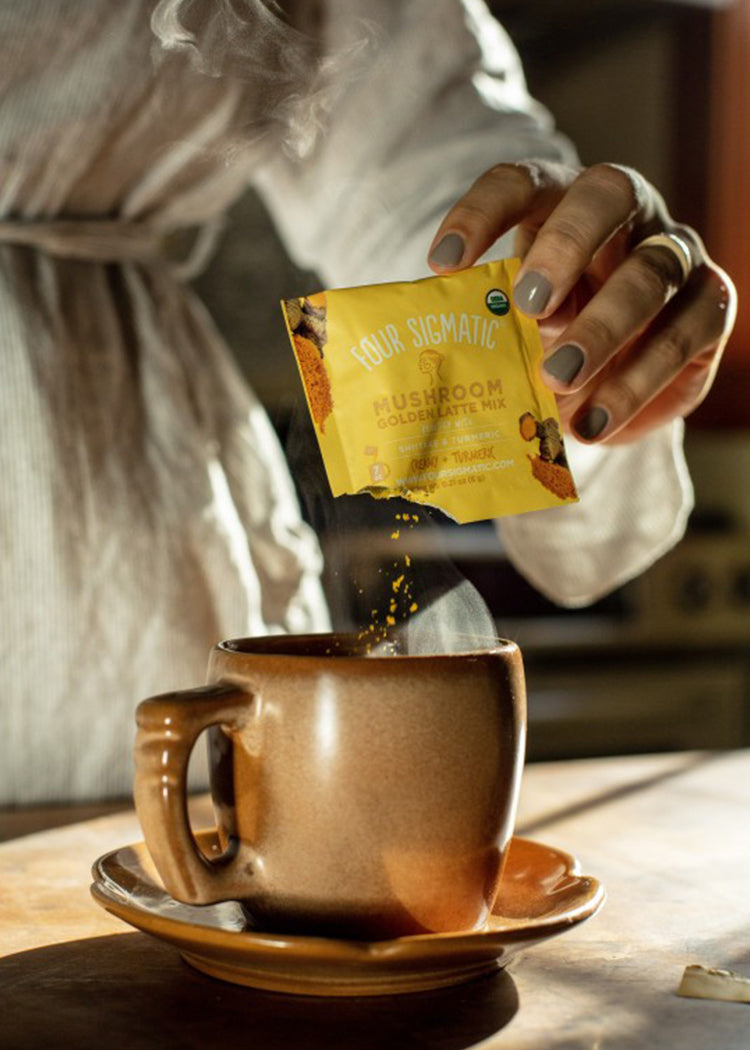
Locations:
453 619
293 80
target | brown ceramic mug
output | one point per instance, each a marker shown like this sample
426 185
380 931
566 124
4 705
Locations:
356 795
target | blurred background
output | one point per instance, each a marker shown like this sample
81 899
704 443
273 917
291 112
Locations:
664 663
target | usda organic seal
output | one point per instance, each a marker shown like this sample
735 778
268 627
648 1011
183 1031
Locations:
497 302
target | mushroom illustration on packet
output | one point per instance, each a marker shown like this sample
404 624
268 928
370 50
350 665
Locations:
430 390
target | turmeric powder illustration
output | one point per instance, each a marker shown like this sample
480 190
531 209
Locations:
554 477
316 379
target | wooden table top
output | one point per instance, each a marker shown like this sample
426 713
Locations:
668 835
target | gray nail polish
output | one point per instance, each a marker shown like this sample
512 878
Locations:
592 423
449 251
532 293
565 364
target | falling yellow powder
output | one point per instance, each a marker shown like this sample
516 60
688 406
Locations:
376 631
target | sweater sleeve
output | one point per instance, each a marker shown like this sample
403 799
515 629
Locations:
634 505
429 96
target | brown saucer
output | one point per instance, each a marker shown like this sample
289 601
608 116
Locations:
542 894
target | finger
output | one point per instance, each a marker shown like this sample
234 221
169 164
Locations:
497 201
626 303
674 361
603 201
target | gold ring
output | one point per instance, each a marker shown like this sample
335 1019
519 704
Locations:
677 246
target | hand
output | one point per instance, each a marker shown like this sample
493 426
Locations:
632 336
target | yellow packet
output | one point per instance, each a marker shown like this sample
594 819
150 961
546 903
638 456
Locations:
430 390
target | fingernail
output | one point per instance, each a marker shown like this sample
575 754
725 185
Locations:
449 251
592 423
565 364
532 293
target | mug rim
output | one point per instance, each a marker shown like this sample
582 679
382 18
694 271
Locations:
325 644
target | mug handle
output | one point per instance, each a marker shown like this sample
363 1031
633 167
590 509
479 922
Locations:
168 727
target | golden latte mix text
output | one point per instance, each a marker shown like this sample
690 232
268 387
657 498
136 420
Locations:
430 390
